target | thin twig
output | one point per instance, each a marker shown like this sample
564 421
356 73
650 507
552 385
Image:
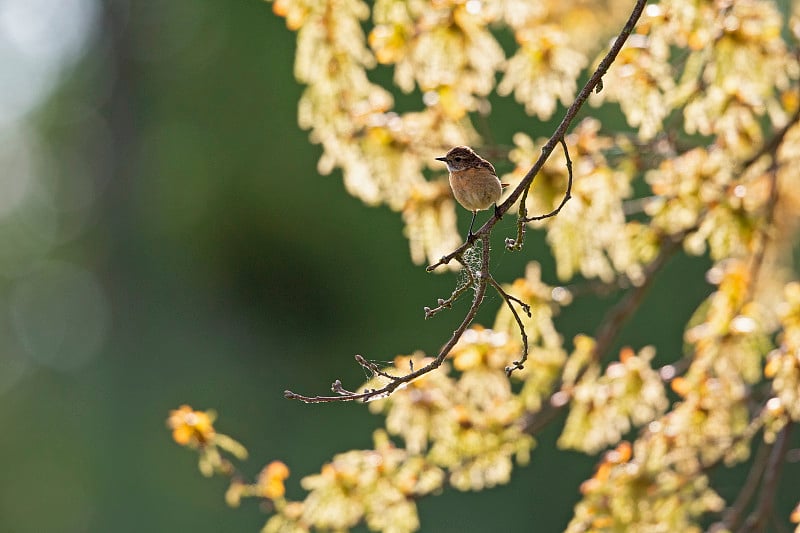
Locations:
396 382
484 232
459 290
372 367
557 137
567 195
519 364
516 243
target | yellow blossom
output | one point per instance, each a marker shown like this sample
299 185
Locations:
270 480
190 427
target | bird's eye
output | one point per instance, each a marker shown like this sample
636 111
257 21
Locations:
458 158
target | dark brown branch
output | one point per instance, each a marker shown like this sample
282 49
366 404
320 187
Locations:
757 521
455 254
771 147
623 310
734 514
561 130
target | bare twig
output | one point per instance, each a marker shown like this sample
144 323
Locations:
557 137
567 195
516 243
484 232
561 130
396 382
519 364
372 367
459 290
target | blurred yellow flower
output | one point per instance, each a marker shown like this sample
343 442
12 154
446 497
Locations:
190 427
270 480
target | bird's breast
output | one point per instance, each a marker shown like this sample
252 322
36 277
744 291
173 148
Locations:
476 189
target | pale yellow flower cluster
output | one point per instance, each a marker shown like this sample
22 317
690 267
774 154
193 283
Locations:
607 403
269 485
661 479
543 71
467 425
378 487
555 30
382 154
783 366
634 489
448 51
734 70
739 78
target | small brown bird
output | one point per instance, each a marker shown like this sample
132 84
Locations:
473 180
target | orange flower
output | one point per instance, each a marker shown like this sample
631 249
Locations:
270 480
773 365
190 427
795 516
626 353
623 452
681 386
294 13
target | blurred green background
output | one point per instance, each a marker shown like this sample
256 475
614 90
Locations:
165 239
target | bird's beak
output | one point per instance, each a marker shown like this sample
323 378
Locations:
443 159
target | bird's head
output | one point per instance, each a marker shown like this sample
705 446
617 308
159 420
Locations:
460 158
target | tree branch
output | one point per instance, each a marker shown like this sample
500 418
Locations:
516 244
483 234
733 514
396 382
624 309
757 521
557 137
459 290
519 364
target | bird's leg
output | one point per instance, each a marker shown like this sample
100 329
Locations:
497 212
471 235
